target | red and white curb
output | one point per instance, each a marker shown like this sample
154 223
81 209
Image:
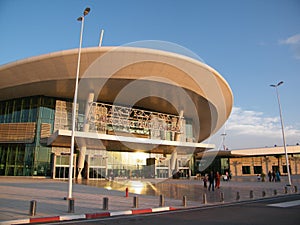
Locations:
86 216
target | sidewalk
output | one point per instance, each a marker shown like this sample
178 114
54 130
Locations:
17 192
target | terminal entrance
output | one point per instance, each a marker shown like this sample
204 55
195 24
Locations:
61 167
97 166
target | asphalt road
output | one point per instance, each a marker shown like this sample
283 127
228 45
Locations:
257 212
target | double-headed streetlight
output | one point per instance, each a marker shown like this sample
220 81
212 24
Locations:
282 129
81 18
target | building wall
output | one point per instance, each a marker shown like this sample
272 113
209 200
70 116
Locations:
245 166
20 155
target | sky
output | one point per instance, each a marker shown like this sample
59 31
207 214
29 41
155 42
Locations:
251 43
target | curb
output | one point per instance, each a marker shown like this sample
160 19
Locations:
86 216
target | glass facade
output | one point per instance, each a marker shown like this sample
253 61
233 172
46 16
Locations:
26 158
26 123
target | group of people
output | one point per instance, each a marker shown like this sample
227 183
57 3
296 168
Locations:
274 176
213 180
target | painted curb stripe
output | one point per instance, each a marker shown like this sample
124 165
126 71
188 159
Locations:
141 211
119 213
85 216
72 217
24 221
96 215
160 209
44 219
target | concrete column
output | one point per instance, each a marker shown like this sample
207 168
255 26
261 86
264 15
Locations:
173 163
89 101
179 126
53 165
86 127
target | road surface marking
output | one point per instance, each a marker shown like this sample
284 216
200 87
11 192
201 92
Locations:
286 204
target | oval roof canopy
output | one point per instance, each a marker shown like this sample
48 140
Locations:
150 79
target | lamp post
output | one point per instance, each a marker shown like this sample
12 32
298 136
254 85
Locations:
282 129
81 18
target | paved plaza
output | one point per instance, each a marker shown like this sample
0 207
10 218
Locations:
17 192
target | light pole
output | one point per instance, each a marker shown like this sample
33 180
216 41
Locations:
282 129
81 18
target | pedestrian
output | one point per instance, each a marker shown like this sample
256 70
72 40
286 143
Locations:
211 180
270 176
277 176
218 179
227 176
258 177
205 181
263 175
273 176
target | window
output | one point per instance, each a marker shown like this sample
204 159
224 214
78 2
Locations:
257 169
275 168
284 169
246 169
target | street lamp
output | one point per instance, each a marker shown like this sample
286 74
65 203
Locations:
81 18
282 129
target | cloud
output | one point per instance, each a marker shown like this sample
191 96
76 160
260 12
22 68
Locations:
293 40
294 43
250 129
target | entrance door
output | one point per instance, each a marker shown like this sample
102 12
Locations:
162 172
97 166
62 166
184 172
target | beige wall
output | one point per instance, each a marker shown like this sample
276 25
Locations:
266 162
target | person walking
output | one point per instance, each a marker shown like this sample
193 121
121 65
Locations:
205 178
273 176
218 179
227 176
211 180
277 176
270 176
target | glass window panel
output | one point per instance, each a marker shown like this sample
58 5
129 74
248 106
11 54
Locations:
42 154
20 156
25 115
246 169
11 156
257 169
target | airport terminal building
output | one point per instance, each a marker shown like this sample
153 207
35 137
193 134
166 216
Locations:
140 113
254 161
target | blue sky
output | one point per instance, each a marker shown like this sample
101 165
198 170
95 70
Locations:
252 44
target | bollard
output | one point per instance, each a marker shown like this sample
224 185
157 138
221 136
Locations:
251 194
184 201
263 194
285 190
275 192
105 203
135 202
126 192
71 205
32 209
221 197
204 199
295 189
238 196
161 201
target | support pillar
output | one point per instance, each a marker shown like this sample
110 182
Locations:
173 163
86 127
179 126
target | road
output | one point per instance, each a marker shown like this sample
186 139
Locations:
279 210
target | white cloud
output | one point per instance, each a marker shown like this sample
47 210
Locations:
249 129
294 43
293 40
